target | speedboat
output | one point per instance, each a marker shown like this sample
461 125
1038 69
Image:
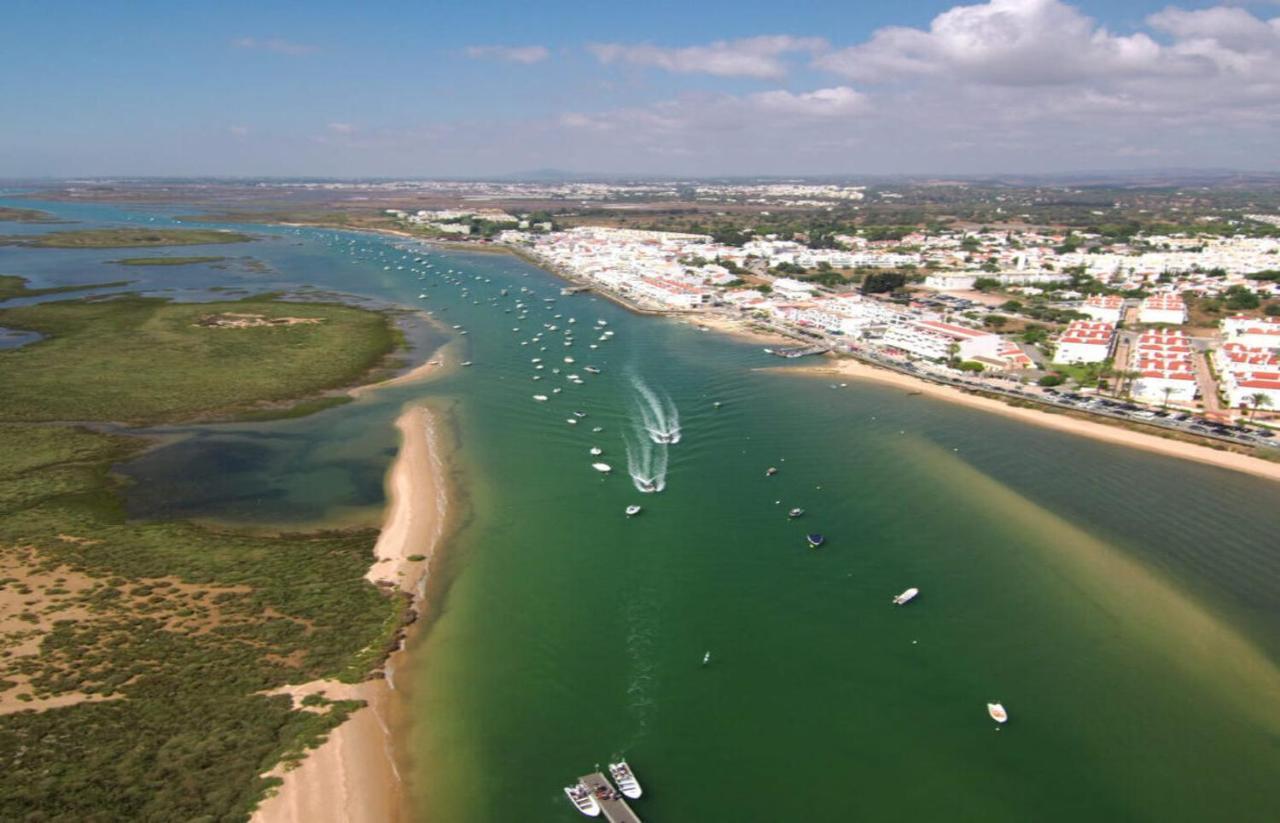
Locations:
794 513
603 468
579 414
582 800
465 363
771 471
815 540
625 779
906 596
997 712
590 370
633 510
645 485
541 398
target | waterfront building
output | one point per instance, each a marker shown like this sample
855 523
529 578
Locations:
935 340
1085 341
1164 361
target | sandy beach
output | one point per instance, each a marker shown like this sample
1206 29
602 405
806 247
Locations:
353 777
739 329
848 368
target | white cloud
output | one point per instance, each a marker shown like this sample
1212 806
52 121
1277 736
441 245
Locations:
759 57
527 55
341 128
273 44
833 102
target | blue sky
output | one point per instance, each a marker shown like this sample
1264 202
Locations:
421 89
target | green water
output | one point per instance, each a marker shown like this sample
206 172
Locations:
1122 605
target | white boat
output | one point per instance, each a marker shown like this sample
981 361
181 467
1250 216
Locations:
582 800
465 363
541 398
633 510
596 451
572 421
706 658
906 596
997 712
590 369
604 468
625 779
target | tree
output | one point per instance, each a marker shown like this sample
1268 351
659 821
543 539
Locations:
986 284
1240 298
883 281
995 321
1166 391
1054 379
1257 400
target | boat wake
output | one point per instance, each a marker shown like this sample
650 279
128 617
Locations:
658 415
655 425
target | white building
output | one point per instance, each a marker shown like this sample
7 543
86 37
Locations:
1163 308
789 289
1085 341
1244 371
1167 370
1256 333
1106 308
935 340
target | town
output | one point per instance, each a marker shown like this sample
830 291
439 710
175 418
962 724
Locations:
1179 330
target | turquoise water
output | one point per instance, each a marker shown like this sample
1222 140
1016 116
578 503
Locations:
1122 605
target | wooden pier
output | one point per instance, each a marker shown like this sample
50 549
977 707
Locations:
616 810
801 351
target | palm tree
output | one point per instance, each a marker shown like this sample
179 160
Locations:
1167 390
1258 399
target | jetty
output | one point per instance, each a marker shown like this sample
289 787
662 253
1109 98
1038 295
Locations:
568 290
801 351
611 802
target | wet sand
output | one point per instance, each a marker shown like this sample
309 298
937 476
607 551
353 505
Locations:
847 368
353 776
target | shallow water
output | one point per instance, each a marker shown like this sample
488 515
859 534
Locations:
1122 605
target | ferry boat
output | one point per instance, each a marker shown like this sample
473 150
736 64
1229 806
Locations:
794 513
906 597
582 800
603 468
997 712
625 779
815 540
633 510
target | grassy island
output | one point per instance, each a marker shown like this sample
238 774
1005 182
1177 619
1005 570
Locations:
137 658
12 286
165 261
12 215
126 238
144 360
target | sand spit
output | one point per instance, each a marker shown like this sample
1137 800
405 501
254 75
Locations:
847 368
352 777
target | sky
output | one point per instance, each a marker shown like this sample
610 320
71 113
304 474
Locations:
689 88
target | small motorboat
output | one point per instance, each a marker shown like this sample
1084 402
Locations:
706 658
596 451
625 779
796 512
906 597
603 468
647 486
466 363
997 712
633 510
541 398
582 800
815 540
598 429
771 471
590 369
579 414
572 421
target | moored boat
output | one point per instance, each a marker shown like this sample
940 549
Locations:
541 398
633 510
997 712
582 800
625 779
796 512
815 540
906 597
771 471
603 468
